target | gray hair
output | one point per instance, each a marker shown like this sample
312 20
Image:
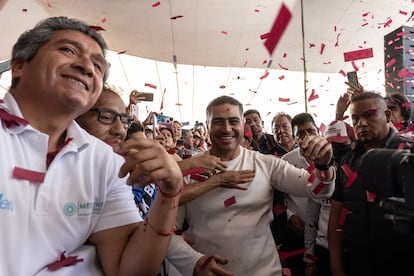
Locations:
29 43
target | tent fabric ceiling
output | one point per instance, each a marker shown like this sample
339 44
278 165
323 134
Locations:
217 44
225 33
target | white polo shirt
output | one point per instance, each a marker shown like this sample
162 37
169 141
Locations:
80 195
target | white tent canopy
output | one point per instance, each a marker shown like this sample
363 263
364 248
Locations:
218 50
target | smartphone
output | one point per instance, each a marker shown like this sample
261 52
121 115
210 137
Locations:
165 120
353 78
144 96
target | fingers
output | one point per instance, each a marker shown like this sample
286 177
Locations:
316 148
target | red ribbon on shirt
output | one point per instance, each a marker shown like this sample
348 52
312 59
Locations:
32 176
11 120
64 261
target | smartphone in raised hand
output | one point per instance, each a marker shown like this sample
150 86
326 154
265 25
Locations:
353 78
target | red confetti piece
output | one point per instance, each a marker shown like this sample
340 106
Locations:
264 36
370 196
363 25
311 257
322 48
390 63
405 72
326 63
64 261
284 55
122 52
264 61
313 96
358 54
403 12
24 10
282 67
248 131
337 40
222 86
32 176
322 128
402 33
352 176
256 10
342 216
279 209
224 32
365 14
229 202
11 120
281 77
278 28
156 4
286 271
293 253
354 66
245 63
265 75
150 85
318 188
387 24
284 100
103 20
311 45
198 178
176 17
49 5
97 28
192 171
342 72
334 28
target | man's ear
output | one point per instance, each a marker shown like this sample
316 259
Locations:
387 113
17 69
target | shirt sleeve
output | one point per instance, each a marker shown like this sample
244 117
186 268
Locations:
311 225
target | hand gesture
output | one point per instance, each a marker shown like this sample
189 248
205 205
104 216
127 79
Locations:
232 179
316 149
147 162
208 266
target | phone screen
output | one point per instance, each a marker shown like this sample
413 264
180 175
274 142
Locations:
353 78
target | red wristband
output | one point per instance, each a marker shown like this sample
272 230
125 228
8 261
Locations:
170 195
160 233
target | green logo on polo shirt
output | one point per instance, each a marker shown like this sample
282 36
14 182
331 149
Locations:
82 209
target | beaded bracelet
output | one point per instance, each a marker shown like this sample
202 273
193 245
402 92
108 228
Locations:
160 233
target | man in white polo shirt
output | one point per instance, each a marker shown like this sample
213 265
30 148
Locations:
61 187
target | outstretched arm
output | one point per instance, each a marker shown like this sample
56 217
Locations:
125 250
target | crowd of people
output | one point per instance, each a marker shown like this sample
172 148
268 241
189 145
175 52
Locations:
94 190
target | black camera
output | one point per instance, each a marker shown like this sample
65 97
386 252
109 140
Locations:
389 173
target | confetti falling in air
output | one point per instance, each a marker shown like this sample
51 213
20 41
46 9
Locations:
278 28
322 48
358 54
222 86
176 17
282 67
284 100
156 4
313 96
264 36
103 20
265 75
150 85
224 32
97 28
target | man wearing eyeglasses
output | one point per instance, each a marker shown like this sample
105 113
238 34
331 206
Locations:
303 126
108 119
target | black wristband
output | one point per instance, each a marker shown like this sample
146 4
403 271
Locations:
324 167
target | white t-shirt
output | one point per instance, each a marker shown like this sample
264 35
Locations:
80 195
235 223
